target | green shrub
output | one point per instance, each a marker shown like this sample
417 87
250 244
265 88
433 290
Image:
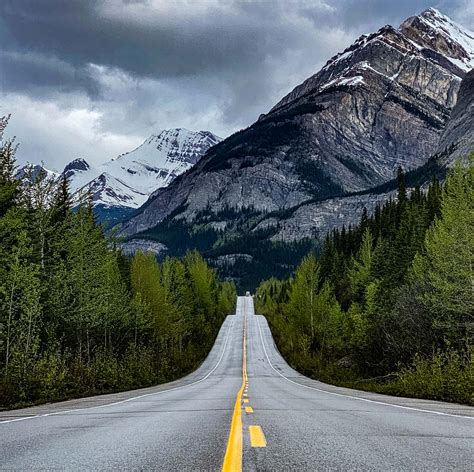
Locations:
445 376
48 376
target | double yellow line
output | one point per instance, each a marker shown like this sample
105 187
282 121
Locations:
233 454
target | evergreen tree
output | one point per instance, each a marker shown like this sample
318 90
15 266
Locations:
61 204
402 188
9 185
361 267
445 268
20 307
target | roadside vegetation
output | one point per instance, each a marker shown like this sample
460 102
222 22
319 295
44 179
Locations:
389 305
79 318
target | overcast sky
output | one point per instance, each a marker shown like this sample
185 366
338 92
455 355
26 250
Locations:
93 79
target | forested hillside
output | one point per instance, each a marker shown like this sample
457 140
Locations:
389 305
76 316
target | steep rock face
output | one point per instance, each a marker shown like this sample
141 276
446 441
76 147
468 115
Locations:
130 247
381 103
457 140
314 219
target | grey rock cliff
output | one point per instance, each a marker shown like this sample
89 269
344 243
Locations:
314 219
459 132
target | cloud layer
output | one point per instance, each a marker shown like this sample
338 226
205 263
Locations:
94 78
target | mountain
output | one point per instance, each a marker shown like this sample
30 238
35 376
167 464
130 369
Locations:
380 104
121 185
456 143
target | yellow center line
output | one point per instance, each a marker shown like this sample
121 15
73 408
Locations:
257 438
233 454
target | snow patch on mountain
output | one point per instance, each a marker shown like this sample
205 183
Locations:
79 173
348 81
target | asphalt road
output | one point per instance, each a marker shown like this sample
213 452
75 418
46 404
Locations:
247 406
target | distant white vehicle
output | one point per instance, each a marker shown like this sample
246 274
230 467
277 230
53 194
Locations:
247 294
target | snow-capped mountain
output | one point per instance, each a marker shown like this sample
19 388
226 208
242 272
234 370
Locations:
79 173
127 181
123 184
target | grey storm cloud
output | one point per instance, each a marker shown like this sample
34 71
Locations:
133 67
152 43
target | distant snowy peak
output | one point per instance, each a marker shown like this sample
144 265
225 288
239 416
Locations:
129 179
78 173
170 149
75 165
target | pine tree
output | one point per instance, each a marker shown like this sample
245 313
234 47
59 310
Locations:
402 188
86 260
20 307
361 268
9 185
62 203
36 195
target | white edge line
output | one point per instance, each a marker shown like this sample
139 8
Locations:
132 398
352 396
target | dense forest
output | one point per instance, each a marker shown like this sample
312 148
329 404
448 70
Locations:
389 304
76 316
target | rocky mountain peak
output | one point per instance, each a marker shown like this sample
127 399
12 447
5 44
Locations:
431 29
33 171
430 36
175 145
77 164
